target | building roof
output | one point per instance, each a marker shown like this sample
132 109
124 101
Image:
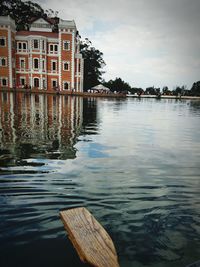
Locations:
66 24
46 34
47 19
7 20
100 87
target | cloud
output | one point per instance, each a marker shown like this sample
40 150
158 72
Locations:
144 42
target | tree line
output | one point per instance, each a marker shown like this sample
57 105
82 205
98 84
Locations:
119 85
23 11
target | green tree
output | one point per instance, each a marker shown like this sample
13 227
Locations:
118 85
166 91
21 12
93 64
136 90
151 90
195 90
181 90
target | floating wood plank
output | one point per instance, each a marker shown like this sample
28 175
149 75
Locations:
92 243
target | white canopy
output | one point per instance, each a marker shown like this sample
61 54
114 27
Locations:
100 87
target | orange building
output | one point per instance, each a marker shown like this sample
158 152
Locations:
41 58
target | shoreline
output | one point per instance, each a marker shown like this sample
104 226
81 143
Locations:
86 94
53 92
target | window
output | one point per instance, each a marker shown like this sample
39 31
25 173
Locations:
4 81
3 61
36 44
36 63
22 46
54 65
53 48
22 63
2 41
66 65
43 64
40 25
54 83
22 81
43 45
36 82
44 83
66 85
66 45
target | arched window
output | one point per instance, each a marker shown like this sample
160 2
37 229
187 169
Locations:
4 81
2 41
3 62
66 65
66 85
36 82
36 63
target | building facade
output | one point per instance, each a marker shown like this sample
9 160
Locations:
40 58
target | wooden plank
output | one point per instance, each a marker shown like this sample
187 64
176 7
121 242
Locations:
91 241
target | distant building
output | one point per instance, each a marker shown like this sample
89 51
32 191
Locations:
39 57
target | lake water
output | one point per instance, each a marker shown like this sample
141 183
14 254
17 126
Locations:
135 164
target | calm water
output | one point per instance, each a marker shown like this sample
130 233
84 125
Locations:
135 164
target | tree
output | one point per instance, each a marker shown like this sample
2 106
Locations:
21 12
93 64
181 90
117 85
166 91
151 90
195 90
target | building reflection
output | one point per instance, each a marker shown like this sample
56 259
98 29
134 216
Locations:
39 126
90 116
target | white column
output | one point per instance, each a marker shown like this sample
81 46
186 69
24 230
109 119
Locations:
40 66
60 61
73 52
77 87
82 73
10 57
30 62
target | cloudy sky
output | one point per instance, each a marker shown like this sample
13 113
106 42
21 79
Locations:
145 42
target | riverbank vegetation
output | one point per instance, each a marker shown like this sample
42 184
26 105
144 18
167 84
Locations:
119 85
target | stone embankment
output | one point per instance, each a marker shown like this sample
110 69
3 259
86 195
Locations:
56 92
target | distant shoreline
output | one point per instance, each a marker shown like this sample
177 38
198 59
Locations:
166 97
86 94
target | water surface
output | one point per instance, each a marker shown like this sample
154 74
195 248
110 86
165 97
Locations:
133 163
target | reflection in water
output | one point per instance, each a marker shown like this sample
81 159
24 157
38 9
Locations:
133 163
38 126
90 116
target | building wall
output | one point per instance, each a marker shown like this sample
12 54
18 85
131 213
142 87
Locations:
39 59
7 53
66 57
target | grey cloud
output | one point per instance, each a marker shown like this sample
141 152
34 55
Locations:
159 38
